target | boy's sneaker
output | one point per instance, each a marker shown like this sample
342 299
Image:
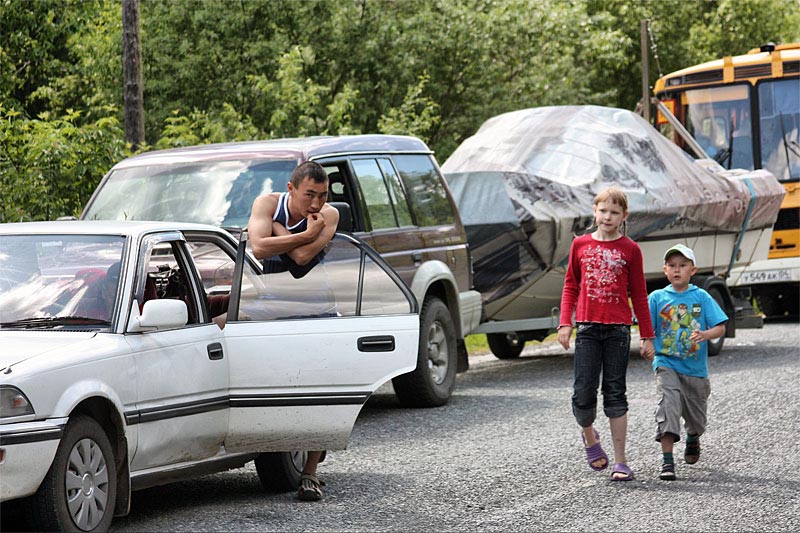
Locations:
667 472
692 452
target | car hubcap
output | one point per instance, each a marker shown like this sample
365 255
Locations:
86 484
437 353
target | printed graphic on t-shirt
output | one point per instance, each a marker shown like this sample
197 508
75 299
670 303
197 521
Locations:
603 268
676 326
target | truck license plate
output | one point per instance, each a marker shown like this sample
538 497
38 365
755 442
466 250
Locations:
765 276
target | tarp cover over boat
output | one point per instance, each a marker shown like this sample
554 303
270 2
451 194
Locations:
525 182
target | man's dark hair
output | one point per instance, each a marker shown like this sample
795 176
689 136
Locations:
309 169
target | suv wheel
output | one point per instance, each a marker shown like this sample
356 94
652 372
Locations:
432 382
280 471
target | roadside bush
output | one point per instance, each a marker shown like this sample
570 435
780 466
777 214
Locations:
49 166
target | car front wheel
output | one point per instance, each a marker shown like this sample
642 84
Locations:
79 491
432 382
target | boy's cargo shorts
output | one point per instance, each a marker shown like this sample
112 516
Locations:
680 396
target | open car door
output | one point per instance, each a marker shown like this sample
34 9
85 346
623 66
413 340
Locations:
306 352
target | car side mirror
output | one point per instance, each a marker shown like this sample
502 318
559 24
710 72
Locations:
158 314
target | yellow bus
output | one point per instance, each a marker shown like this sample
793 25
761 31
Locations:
744 112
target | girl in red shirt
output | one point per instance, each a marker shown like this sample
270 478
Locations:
604 271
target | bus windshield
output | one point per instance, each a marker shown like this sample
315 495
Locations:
719 119
780 122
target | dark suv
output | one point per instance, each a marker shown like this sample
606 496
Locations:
390 193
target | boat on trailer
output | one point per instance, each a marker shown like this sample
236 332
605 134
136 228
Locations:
525 182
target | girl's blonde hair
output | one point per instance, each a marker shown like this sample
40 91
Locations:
614 195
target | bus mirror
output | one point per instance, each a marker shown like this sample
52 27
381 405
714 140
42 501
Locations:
660 118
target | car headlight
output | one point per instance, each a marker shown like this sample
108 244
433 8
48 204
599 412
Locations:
13 402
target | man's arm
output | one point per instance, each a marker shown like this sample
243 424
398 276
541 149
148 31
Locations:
264 241
305 253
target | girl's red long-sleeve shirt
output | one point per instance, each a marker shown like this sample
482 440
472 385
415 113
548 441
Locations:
599 276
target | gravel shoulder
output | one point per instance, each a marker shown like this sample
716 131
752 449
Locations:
505 455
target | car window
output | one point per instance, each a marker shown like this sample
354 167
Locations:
375 192
162 274
426 191
345 283
220 193
214 265
397 194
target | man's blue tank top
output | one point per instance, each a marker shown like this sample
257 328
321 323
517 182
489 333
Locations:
282 263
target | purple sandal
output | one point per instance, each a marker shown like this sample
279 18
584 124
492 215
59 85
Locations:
621 468
595 453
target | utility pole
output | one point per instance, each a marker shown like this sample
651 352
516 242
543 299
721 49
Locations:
645 72
132 74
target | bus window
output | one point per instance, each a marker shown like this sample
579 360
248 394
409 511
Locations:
779 109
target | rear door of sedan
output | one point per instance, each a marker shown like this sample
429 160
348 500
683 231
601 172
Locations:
305 353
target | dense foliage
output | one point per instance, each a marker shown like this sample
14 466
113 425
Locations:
219 70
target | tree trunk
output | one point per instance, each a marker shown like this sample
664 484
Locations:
132 74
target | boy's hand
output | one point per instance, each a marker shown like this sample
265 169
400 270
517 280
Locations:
698 336
647 349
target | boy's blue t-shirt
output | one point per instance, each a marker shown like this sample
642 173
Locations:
675 315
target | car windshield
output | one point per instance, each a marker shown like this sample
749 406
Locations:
219 193
59 281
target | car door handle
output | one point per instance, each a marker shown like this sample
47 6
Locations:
215 351
416 257
378 343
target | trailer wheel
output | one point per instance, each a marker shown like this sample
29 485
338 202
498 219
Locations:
505 345
715 345
432 382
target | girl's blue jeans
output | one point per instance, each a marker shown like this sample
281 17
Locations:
600 349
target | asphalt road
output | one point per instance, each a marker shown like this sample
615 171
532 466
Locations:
505 455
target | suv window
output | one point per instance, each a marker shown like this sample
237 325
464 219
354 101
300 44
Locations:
397 193
383 194
426 190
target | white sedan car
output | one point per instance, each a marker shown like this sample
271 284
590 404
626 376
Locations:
135 354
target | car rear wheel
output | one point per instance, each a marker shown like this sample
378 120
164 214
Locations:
280 471
505 345
431 383
80 489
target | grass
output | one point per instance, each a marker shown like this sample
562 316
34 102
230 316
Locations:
477 344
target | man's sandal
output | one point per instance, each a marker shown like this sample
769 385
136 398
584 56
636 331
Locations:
692 452
667 472
621 468
595 453
309 489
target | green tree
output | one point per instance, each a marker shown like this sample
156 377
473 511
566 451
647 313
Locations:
49 166
219 70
